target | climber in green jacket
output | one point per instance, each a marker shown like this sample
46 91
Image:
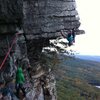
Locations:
20 81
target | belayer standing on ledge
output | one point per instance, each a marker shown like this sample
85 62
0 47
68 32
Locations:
20 81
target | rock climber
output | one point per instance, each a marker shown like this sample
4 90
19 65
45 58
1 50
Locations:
20 81
73 34
70 38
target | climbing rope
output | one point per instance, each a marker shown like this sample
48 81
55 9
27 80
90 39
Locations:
9 50
63 34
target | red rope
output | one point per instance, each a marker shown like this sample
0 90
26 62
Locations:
9 50
63 35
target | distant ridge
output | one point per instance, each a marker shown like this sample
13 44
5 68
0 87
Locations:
88 57
77 78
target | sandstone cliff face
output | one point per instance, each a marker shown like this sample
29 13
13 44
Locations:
38 21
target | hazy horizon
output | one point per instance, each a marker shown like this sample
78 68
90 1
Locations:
88 44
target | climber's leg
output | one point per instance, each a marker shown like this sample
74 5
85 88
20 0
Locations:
23 89
17 90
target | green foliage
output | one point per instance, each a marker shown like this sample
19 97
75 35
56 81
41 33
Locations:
49 60
73 76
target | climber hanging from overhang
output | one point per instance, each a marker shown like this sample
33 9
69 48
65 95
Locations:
70 36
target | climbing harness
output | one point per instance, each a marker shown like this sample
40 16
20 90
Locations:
9 50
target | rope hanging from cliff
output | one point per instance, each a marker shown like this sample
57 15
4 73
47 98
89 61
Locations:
9 50
63 34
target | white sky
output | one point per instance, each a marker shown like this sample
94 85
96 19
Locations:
89 14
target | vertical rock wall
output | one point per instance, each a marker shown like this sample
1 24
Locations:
10 15
40 20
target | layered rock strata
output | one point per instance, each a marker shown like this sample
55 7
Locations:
39 21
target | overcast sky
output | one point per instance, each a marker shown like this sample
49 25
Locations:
89 44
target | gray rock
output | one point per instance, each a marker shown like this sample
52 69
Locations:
49 16
10 15
40 20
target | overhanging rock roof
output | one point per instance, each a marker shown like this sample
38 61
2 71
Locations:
48 17
38 18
